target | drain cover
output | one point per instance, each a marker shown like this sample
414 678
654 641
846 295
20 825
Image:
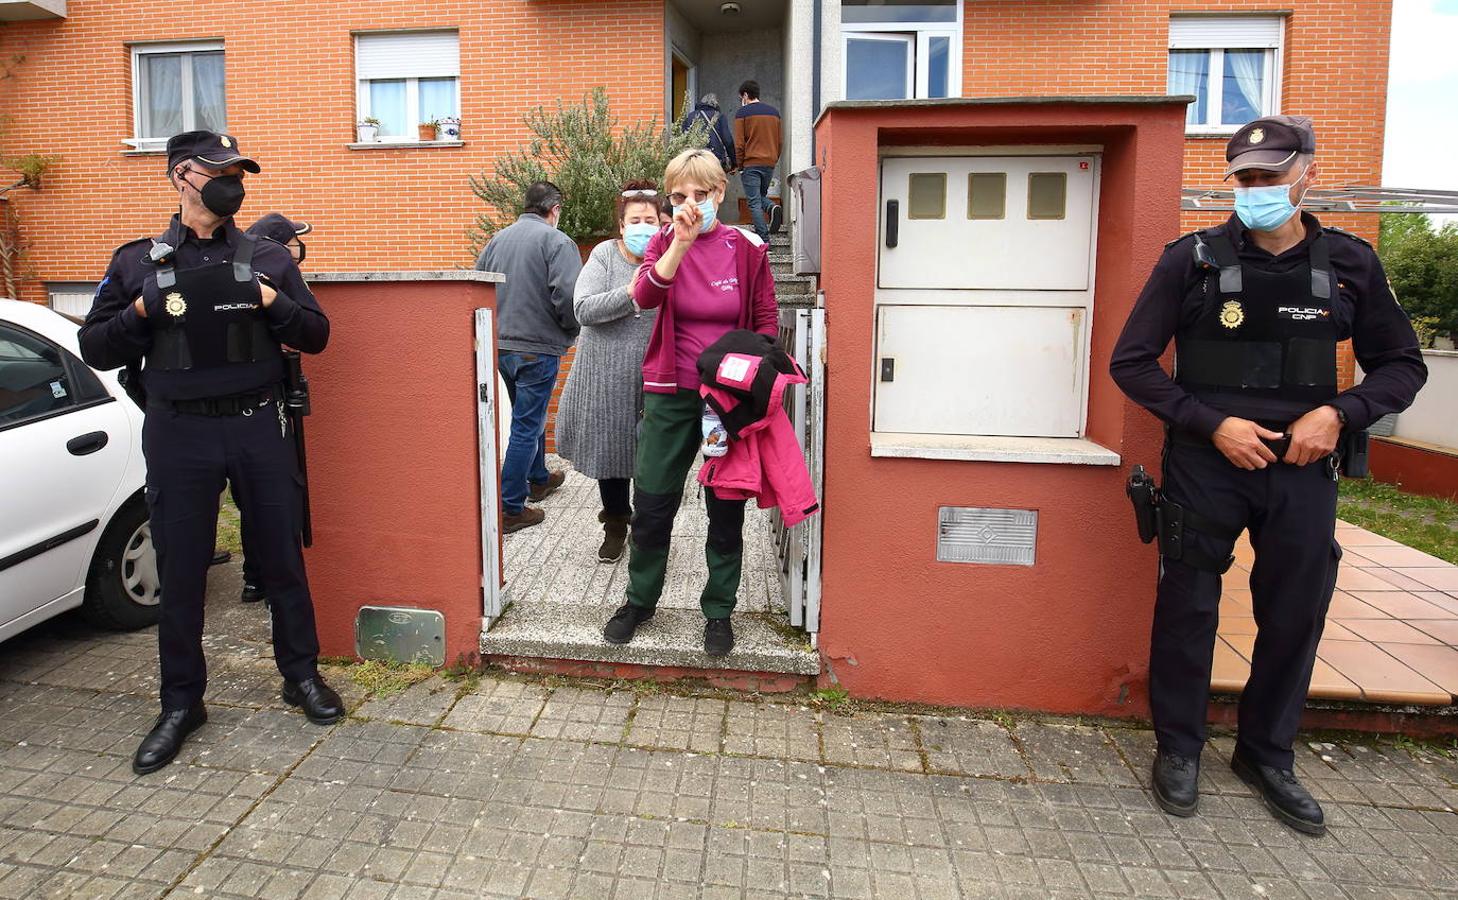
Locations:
974 534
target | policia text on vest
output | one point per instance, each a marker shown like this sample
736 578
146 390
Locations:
206 310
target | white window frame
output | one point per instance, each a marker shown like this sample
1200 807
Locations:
188 122
79 293
922 33
412 85
1215 89
907 40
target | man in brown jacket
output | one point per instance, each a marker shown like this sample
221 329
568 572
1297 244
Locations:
757 147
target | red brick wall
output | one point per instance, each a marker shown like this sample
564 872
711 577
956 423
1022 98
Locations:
291 104
1334 69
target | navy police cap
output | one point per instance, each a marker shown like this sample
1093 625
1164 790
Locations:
1271 143
214 150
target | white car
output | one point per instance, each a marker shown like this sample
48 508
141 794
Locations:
73 514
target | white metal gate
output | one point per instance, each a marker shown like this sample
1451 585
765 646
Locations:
802 334
492 600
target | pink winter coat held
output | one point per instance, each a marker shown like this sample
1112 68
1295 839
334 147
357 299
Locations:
764 461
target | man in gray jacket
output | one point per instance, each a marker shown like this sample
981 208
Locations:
535 326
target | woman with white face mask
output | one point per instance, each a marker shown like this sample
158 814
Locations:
598 416
705 279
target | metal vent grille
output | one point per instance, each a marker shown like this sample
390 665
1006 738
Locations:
971 534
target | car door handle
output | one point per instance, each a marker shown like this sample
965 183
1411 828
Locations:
87 443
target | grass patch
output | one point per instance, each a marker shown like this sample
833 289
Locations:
1423 523
230 532
385 679
835 699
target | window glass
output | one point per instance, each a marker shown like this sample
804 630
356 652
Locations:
939 54
1189 73
1047 195
387 103
927 196
877 69
210 106
437 99
986 195
161 95
898 11
1243 86
33 379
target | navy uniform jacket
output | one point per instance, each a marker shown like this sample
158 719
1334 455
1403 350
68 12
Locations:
114 335
1382 337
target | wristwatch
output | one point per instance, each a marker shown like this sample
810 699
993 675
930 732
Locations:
1341 414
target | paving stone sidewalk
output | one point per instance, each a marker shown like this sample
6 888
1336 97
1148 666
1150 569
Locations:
507 787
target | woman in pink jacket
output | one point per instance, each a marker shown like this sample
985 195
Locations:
705 279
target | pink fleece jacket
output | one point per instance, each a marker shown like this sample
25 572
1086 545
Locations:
720 257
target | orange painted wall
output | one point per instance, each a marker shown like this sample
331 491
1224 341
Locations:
396 505
291 103
1070 634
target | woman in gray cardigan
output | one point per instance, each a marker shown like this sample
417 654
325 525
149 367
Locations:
597 419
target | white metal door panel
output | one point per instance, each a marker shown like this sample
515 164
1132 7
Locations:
971 369
49 492
492 596
1010 248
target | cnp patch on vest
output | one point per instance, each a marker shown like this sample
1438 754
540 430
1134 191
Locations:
176 306
1303 313
1232 314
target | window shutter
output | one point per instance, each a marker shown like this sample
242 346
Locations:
420 54
1232 32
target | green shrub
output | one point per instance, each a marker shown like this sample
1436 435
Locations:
580 148
1422 264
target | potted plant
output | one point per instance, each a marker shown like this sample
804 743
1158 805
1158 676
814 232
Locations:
448 129
427 130
369 130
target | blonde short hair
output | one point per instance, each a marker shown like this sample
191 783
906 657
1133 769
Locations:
699 166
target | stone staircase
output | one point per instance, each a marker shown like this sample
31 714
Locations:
791 290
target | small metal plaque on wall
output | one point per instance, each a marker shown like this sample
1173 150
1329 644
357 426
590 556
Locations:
400 634
973 534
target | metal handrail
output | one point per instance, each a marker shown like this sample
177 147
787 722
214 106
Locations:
1354 199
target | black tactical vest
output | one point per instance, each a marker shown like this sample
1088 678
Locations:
1264 344
208 316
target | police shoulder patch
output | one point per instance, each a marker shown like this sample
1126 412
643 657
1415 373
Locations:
1332 229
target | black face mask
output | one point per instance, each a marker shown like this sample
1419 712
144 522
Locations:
223 194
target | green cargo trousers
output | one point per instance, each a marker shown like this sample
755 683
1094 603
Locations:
670 437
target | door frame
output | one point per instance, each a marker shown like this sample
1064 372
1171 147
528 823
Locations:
488 460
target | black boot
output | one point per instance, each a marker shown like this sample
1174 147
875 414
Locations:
614 537
718 637
1287 800
620 628
320 704
253 593
161 744
1176 783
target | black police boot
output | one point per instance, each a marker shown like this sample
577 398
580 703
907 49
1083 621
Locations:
1287 800
718 637
253 593
619 629
220 556
161 744
320 704
1176 783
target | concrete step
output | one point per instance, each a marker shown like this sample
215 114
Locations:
794 284
673 637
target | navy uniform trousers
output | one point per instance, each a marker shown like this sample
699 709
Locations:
1291 514
189 457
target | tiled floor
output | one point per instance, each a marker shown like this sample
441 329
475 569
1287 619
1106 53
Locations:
1391 634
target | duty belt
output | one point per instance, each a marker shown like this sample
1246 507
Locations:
244 404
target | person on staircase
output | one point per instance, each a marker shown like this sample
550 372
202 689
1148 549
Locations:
597 419
705 279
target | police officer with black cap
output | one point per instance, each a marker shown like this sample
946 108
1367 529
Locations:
206 307
1255 428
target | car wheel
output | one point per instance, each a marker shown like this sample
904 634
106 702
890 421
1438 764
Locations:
124 588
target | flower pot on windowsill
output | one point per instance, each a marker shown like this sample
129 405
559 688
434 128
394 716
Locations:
448 130
367 132
426 131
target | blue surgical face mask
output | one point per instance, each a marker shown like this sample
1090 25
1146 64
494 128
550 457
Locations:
637 236
1266 208
708 214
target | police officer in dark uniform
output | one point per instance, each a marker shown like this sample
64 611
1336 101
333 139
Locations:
207 307
1254 420
288 234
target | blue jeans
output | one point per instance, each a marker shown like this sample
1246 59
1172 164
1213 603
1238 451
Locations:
756 181
529 379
